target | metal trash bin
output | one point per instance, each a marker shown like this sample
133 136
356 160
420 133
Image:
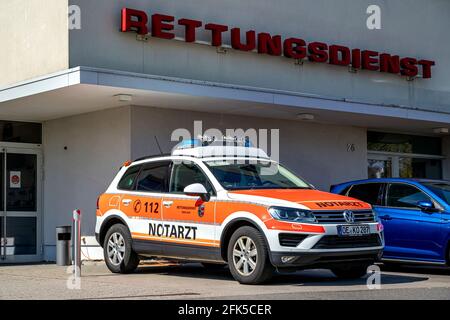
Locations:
63 237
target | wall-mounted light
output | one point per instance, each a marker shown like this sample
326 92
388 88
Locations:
305 116
124 97
441 130
221 50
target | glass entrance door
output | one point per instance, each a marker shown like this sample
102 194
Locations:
405 156
20 203
404 166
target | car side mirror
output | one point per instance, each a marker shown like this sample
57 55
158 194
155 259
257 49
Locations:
426 205
197 190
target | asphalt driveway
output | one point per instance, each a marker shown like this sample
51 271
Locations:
192 281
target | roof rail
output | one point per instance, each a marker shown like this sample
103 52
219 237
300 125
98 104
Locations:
152 157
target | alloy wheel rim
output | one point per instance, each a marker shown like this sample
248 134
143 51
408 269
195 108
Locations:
245 256
116 248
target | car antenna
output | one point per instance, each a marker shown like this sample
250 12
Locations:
159 147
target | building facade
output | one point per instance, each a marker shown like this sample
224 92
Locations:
76 102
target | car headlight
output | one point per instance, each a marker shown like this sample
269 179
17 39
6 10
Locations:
292 214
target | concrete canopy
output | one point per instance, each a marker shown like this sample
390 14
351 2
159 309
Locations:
82 90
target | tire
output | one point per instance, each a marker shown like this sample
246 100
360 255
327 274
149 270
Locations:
213 266
125 261
262 269
448 254
351 271
391 265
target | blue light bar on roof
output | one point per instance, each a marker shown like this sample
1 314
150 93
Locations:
190 143
208 141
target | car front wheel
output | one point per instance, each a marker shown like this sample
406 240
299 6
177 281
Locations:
248 258
118 252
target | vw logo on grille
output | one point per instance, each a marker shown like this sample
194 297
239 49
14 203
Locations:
349 216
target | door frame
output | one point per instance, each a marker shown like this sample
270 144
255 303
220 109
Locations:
33 149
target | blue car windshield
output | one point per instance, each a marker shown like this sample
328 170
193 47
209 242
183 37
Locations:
441 189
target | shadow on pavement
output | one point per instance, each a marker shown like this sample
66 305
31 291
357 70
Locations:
326 278
421 269
301 278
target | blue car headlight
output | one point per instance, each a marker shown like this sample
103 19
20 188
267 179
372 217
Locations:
292 214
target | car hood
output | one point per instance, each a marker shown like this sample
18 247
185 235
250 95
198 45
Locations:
311 199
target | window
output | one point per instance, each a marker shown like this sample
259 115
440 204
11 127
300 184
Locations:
255 175
153 177
441 189
403 143
369 193
404 156
24 198
343 192
185 174
420 168
22 132
128 179
405 196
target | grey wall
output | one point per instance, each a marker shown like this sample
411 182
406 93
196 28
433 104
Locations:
34 39
316 152
409 28
97 145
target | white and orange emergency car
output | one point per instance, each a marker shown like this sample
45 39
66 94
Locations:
203 203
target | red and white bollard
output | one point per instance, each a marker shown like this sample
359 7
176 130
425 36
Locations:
77 243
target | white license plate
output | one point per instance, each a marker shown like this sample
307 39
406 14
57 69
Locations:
354 231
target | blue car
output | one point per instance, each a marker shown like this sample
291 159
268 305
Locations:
415 214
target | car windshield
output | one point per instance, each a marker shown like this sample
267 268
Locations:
441 189
251 174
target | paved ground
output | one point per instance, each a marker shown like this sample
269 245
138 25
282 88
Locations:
192 281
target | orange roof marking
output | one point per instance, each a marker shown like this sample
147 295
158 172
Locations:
306 196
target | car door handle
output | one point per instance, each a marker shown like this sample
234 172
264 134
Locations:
167 204
386 217
126 202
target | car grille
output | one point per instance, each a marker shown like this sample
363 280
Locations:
290 239
337 242
338 216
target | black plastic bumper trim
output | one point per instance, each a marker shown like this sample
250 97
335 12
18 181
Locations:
324 259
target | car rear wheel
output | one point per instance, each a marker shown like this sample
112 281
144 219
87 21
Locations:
350 271
248 257
391 265
118 252
448 254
